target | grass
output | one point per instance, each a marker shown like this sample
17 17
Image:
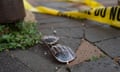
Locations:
95 58
20 35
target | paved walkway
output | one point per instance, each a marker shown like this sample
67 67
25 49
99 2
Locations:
97 46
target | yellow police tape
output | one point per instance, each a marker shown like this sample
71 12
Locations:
107 15
29 6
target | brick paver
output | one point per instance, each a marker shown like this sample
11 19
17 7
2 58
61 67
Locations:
101 65
10 64
100 33
111 47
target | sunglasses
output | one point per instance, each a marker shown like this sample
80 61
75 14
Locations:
62 53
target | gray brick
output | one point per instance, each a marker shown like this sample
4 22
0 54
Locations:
92 24
108 2
66 24
9 64
62 69
45 55
101 33
36 61
111 47
70 42
46 31
67 32
57 4
70 32
101 65
56 19
40 16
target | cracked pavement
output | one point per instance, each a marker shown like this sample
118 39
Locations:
97 45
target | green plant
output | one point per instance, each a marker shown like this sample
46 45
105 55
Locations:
94 58
18 35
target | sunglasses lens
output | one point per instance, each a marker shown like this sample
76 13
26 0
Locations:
50 40
62 53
